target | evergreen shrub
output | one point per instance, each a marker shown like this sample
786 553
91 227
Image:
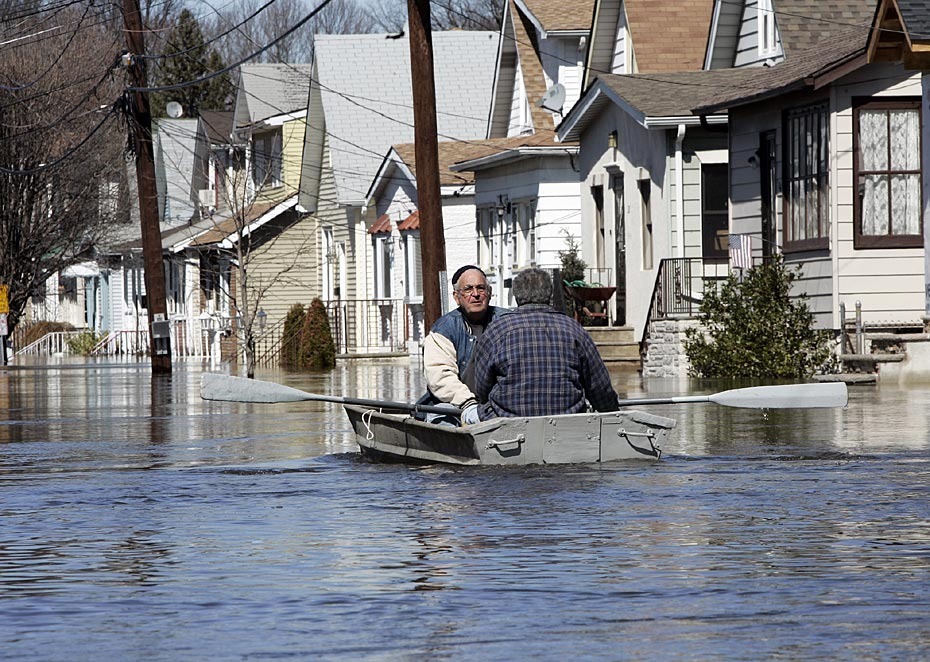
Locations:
753 329
317 349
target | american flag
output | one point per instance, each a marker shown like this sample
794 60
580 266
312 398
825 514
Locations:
740 251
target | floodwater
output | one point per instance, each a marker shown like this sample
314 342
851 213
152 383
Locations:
138 522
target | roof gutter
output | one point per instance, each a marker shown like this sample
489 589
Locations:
510 155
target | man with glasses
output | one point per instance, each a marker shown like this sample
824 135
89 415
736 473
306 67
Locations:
448 348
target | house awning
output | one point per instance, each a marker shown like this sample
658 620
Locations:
382 225
412 222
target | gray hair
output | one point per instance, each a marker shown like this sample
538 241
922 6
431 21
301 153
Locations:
532 286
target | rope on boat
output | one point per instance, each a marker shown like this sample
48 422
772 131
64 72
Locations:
366 421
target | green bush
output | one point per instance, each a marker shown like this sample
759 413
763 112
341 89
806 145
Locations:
83 343
290 339
317 349
573 267
754 329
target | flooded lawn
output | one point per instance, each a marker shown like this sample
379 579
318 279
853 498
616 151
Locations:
139 522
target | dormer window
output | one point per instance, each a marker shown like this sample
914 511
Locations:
768 42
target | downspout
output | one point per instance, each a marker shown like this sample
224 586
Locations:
679 187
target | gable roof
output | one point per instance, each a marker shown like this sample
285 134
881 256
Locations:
497 151
558 15
655 100
270 90
811 69
901 33
217 126
364 89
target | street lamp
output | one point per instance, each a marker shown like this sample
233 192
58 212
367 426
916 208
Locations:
262 319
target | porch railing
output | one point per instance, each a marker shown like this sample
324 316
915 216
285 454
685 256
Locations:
679 288
55 342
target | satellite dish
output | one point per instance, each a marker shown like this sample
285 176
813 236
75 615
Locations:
174 109
553 99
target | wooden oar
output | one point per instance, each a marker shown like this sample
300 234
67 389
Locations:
214 386
785 396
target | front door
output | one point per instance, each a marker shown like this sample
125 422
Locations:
769 190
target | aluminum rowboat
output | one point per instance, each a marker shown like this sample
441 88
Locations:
575 438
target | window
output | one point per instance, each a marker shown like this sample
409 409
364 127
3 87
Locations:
768 44
645 210
523 243
807 190
266 158
485 259
383 245
715 215
414 265
886 143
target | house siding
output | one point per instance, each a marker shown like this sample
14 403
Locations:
643 155
889 283
726 34
746 51
292 143
618 58
554 185
603 41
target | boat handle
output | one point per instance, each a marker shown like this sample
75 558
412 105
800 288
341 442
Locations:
623 433
499 445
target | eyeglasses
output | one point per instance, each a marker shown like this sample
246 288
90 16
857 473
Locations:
468 290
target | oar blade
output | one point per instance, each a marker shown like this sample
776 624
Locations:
785 396
225 388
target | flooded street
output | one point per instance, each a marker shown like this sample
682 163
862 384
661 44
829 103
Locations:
138 522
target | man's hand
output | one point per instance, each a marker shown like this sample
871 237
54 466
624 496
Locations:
470 415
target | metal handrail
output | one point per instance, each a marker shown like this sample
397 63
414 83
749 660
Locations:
679 289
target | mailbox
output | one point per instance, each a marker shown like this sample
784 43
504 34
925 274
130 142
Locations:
161 336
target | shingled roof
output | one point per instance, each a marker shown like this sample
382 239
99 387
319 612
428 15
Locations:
561 15
662 41
804 24
843 49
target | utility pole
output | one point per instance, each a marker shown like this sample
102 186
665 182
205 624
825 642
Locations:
141 127
429 202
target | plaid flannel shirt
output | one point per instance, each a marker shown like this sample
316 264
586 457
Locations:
538 362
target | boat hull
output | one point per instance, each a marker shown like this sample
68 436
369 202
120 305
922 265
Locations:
570 439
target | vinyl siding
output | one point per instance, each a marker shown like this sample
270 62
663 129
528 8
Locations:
888 282
618 58
726 34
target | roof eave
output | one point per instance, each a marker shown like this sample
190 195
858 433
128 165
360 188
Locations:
511 155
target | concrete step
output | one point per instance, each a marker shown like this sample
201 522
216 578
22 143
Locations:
618 350
611 333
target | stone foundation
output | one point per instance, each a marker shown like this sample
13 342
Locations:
665 349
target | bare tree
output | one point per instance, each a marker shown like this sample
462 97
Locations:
391 15
243 29
61 151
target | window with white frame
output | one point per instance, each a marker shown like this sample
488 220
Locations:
414 265
487 227
768 44
383 255
266 158
886 144
807 177
523 236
